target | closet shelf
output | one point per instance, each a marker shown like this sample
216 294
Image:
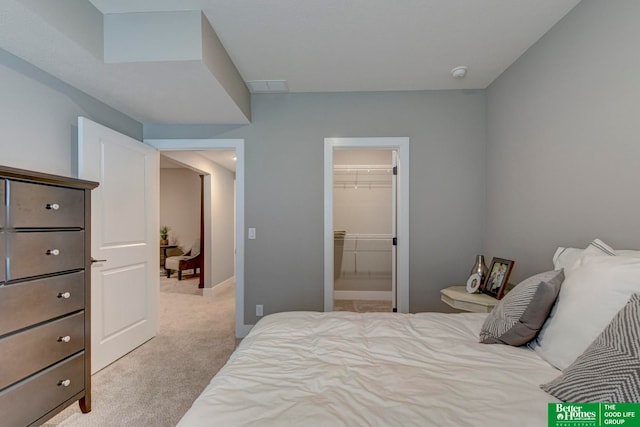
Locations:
362 176
368 237
363 169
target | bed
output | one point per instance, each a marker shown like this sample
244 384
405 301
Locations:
378 369
381 369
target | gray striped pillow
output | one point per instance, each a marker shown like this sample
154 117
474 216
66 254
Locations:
518 317
609 369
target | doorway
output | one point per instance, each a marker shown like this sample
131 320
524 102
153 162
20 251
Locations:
364 207
183 198
212 145
376 243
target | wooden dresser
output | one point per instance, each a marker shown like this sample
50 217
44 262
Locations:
45 271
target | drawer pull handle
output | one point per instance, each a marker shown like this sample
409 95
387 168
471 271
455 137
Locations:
53 252
66 338
64 383
53 206
65 295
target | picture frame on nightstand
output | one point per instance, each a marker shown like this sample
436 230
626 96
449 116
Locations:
498 277
473 283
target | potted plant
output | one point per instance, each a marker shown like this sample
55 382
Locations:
164 235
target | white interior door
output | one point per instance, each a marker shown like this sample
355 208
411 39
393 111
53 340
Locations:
124 232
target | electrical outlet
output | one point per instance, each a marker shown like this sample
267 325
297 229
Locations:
259 311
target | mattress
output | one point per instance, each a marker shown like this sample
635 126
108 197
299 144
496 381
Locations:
374 369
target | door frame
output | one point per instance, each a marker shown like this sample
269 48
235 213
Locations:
401 145
222 144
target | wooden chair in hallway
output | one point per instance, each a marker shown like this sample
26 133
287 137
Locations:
189 261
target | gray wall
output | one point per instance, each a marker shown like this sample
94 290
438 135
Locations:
547 156
563 159
39 116
284 187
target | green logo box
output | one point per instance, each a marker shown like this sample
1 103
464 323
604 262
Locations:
594 414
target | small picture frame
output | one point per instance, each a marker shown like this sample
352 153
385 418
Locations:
473 283
496 282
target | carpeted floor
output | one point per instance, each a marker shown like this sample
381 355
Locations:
155 384
361 306
187 286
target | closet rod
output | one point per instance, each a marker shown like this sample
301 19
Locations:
367 237
363 168
359 185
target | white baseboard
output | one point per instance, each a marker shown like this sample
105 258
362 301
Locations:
207 292
363 295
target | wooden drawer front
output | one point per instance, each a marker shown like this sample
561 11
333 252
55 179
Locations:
29 400
34 253
27 303
45 206
27 352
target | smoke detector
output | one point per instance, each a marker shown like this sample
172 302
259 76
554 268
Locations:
459 72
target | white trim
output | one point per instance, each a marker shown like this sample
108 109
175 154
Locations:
363 295
216 289
402 146
222 144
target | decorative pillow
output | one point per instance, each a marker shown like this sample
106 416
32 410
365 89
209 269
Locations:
518 317
592 293
566 257
609 370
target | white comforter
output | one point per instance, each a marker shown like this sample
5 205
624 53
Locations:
374 369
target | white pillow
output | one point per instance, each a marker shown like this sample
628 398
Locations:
628 252
595 289
567 257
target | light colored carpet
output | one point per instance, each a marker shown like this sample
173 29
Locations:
186 286
155 384
361 306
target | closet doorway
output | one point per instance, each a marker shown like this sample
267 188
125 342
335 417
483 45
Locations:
366 224
364 207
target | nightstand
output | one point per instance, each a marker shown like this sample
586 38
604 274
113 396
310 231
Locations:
458 297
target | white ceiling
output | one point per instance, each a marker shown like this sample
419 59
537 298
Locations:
316 46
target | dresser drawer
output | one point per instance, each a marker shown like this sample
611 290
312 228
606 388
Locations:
27 303
27 401
44 206
36 253
30 351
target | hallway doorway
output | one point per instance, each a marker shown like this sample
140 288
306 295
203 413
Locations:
186 145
